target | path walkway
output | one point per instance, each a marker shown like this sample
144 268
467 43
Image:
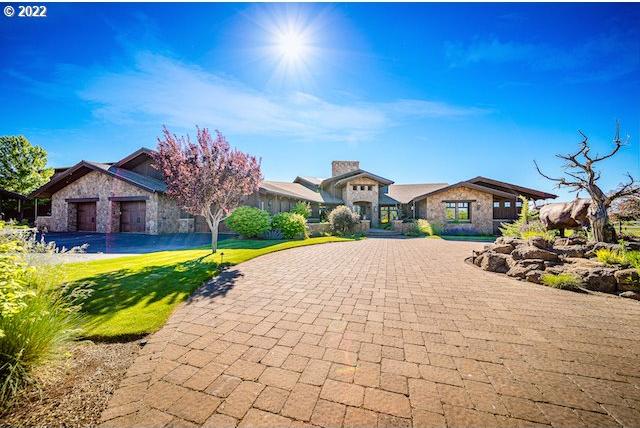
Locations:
385 332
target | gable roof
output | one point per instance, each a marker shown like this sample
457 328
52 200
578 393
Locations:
470 186
310 181
343 178
84 167
405 193
139 156
520 190
12 195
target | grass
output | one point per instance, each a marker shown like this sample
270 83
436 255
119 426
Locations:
562 281
135 295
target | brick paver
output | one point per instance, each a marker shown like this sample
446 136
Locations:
385 332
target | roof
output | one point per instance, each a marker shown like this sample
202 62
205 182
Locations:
12 195
520 190
133 158
84 167
345 178
470 186
312 180
405 193
298 191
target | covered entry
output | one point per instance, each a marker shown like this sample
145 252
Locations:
133 216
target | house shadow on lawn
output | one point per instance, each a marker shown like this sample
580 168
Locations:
163 286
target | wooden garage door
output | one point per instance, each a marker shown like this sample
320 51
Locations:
132 216
86 216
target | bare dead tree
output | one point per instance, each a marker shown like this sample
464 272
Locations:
581 175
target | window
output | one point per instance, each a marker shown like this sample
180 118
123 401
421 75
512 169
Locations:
507 204
496 204
459 211
369 187
355 187
388 214
518 204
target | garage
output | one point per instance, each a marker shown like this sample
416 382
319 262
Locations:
133 216
86 216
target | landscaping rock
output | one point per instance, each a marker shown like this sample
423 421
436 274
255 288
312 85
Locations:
502 248
508 240
628 279
572 250
540 242
534 276
531 252
630 295
494 262
596 278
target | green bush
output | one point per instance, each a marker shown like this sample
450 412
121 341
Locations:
249 222
302 208
563 281
527 221
610 257
38 318
413 230
343 220
430 228
292 226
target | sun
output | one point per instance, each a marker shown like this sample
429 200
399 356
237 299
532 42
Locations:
292 45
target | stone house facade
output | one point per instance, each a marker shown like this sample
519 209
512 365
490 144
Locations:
129 196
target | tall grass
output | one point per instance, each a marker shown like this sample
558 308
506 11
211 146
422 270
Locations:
563 281
44 318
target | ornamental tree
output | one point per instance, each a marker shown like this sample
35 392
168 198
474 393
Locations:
208 177
581 174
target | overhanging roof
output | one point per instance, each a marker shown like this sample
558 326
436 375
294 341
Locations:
298 191
520 190
8 194
470 186
343 178
82 168
405 193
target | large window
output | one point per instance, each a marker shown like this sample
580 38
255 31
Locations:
457 211
388 213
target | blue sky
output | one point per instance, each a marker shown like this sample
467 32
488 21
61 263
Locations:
416 92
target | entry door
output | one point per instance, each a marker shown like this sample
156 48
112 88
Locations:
86 216
132 216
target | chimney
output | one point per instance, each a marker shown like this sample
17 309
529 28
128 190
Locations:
341 167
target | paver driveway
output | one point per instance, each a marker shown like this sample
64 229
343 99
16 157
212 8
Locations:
385 332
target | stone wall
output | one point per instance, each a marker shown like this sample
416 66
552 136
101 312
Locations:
168 215
318 229
350 196
101 186
481 204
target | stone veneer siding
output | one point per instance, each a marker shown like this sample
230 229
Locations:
103 186
350 196
481 210
342 167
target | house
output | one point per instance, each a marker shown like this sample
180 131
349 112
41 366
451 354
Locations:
129 196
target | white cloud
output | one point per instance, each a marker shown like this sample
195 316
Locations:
158 89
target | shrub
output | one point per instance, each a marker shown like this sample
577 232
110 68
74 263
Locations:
429 228
413 230
249 222
563 281
611 257
302 208
343 220
525 217
292 226
38 318
273 235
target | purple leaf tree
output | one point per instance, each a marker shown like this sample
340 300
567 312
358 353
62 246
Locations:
208 177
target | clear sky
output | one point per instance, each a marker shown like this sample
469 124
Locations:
416 92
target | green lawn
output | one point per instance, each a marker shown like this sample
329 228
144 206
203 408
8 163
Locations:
135 295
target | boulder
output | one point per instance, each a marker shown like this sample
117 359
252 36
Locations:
494 262
628 279
595 278
531 252
509 240
521 268
534 276
572 250
477 258
574 240
502 248
540 242
630 295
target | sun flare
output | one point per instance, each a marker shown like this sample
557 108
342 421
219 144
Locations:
291 45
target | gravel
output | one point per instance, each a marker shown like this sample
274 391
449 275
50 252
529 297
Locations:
73 391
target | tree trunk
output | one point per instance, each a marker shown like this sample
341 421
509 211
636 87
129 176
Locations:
213 220
598 218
